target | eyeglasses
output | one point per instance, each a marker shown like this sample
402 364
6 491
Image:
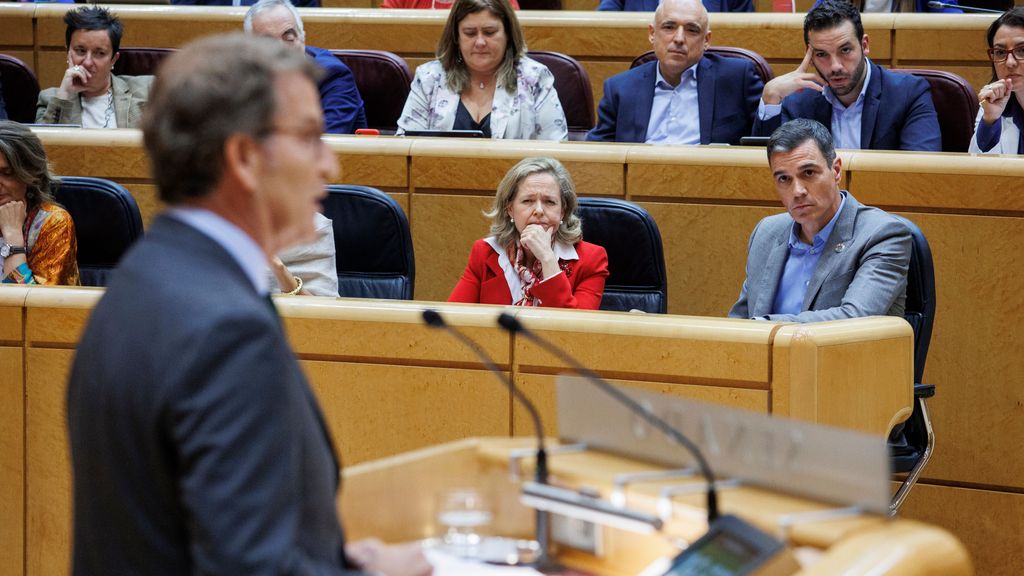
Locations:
1000 54
310 138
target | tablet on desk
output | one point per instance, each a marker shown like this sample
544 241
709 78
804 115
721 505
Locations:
446 133
761 141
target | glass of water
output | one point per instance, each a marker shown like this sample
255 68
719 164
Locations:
463 516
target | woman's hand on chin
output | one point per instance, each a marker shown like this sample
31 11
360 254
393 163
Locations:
12 218
537 241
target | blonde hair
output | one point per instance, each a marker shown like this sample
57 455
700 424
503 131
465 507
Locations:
570 229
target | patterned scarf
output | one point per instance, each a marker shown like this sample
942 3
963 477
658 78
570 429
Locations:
530 276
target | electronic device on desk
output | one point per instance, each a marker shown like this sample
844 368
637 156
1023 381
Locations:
446 133
760 141
732 547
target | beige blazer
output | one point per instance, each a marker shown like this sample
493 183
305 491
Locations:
130 96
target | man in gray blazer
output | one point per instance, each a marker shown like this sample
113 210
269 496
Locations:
197 445
829 257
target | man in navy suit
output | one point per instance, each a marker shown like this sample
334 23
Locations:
652 5
197 445
864 105
685 96
339 96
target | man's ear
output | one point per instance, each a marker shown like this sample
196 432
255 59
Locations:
243 161
650 34
864 44
837 168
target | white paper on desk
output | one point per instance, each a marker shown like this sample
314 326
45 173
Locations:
449 565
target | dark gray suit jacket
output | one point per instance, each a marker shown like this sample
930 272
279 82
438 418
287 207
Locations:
862 271
197 445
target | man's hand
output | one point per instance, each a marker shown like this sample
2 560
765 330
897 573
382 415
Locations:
804 77
372 555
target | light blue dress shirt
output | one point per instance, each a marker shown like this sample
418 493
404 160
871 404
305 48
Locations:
800 265
675 112
845 120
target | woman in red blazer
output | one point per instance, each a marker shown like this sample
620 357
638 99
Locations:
535 255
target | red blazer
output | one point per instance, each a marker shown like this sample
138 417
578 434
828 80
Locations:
581 286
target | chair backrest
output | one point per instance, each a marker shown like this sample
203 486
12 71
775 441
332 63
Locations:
760 64
383 80
955 103
21 89
574 91
140 61
636 263
372 242
920 308
107 222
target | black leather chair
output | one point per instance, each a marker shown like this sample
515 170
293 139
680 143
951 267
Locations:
540 4
383 80
956 105
140 61
636 263
910 458
21 89
107 222
574 91
760 64
373 243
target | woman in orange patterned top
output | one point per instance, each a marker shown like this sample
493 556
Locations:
37 237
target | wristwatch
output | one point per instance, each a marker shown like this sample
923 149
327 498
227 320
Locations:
6 250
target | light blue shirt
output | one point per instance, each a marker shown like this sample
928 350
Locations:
238 244
846 119
675 113
800 265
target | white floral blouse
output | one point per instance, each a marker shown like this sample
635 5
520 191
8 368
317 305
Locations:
532 113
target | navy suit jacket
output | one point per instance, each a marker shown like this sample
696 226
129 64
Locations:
728 91
196 443
898 113
3 109
652 5
339 96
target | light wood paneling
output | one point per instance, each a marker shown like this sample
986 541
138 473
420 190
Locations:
989 523
448 225
16 26
540 389
376 411
48 467
12 460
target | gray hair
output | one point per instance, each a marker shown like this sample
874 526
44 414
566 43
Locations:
570 230
26 158
795 132
212 89
264 5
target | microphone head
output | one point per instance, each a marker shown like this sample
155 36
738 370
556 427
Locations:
433 318
509 322
935 4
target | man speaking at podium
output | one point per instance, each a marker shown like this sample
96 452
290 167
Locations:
197 444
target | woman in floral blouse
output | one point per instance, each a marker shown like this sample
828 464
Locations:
482 80
37 237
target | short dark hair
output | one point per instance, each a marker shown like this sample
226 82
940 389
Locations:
448 53
1014 18
207 92
830 14
26 158
795 133
93 18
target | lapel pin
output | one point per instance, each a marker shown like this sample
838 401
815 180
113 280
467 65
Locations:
839 247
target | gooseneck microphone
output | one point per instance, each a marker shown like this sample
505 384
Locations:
936 5
433 318
513 325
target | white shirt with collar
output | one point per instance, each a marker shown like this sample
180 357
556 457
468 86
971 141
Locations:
515 283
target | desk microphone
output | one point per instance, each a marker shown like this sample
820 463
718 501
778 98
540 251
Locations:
936 5
514 326
433 319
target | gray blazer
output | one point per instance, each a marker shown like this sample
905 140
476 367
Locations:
130 96
862 272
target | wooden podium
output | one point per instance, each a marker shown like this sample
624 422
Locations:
395 499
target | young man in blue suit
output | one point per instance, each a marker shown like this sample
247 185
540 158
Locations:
829 256
339 96
197 445
685 96
865 105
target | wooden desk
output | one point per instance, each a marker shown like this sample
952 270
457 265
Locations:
383 378
604 42
855 545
